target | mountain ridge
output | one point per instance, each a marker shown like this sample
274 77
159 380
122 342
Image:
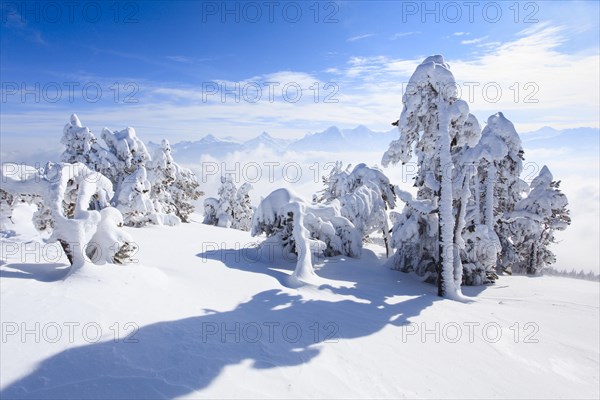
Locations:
361 138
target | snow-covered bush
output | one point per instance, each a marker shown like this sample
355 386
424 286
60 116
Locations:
232 209
414 235
364 194
9 199
52 189
480 255
436 125
304 229
535 220
110 244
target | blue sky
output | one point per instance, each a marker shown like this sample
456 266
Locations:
158 63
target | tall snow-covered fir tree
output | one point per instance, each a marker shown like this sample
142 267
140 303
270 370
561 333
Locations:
435 124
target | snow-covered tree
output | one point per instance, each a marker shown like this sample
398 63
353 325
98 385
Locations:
161 175
135 203
304 229
42 219
51 187
482 244
133 199
127 147
169 187
243 210
535 219
435 124
183 191
232 209
81 145
7 203
211 212
364 195
496 188
173 188
8 200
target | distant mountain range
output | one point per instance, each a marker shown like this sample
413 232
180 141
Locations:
331 139
361 138
584 138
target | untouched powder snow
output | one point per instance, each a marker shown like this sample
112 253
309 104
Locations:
205 313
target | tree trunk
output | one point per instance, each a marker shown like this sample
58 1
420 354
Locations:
386 238
440 260
458 228
445 204
66 248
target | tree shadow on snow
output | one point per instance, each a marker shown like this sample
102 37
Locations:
265 259
373 286
272 329
370 280
50 272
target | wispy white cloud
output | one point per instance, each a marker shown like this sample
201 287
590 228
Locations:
360 37
489 44
541 84
181 59
473 41
461 33
187 60
403 34
15 22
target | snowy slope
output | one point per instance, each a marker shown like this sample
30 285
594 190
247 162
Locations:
353 336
